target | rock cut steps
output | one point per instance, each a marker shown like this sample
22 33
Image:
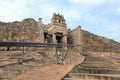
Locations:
13 70
94 68
97 62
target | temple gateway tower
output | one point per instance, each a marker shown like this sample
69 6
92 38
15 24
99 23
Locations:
57 32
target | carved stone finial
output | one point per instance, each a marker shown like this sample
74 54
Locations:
58 19
79 26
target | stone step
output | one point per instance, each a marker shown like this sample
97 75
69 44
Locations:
16 69
28 65
12 70
98 71
10 73
6 77
94 76
14 62
80 67
97 65
94 59
78 79
102 67
94 62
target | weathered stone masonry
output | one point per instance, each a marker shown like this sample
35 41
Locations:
29 30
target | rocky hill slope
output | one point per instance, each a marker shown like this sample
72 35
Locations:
92 42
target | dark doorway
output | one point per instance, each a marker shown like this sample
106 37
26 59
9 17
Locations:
59 39
47 37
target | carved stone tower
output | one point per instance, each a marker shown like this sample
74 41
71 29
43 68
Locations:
58 19
58 29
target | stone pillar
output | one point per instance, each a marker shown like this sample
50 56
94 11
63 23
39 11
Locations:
64 39
54 38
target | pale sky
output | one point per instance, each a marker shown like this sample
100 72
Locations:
101 17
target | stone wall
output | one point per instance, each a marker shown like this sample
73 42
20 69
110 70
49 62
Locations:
25 31
76 37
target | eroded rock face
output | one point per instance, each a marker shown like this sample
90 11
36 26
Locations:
92 42
27 30
24 31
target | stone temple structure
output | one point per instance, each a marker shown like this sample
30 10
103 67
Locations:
29 30
57 32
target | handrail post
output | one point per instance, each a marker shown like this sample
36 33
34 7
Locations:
56 54
70 55
22 56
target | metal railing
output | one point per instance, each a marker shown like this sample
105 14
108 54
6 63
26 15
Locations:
40 44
